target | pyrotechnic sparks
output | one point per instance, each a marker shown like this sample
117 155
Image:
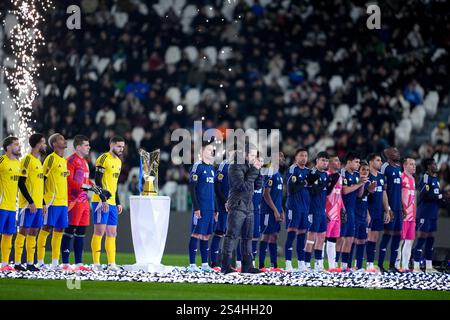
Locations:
25 38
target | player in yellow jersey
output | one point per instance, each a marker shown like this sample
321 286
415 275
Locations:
9 177
31 196
107 171
55 197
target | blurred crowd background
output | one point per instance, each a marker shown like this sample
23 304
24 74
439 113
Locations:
311 69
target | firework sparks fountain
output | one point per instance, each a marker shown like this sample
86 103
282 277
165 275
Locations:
24 40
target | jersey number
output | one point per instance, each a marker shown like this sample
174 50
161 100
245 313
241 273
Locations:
209 180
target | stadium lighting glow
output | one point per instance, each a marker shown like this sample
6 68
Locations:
26 37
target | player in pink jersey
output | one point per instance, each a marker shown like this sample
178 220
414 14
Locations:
409 212
334 205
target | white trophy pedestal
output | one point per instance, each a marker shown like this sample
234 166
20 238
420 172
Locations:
149 217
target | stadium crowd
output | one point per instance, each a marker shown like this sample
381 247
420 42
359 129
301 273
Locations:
141 71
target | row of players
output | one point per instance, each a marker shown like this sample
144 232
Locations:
345 209
53 199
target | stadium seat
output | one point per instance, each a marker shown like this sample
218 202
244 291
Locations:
174 94
191 52
418 118
138 134
173 55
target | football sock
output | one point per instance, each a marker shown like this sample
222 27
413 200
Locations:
382 252
192 250
359 255
273 254
65 247
406 253
301 237
254 248
370 251
214 250
96 247
18 248
110 247
204 250
41 242
6 247
395 243
331 254
418 249
350 256
31 248
56 244
78 246
345 260
429 248
262 253
288 245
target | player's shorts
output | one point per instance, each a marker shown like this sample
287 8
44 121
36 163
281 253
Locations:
30 220
396 223
109 218
333 229
409 230
57 217
376 224
205 224
376 221
348 228
7 222
268 224
426 224
256 225
319 223
79 214
361 230
221 224
297 219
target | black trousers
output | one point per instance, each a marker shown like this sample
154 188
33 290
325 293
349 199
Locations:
239 225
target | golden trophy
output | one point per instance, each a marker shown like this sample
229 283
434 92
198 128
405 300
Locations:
148 172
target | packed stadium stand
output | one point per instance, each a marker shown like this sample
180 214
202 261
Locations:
309 68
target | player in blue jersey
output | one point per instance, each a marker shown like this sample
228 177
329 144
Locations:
430 198
272 214
393 180
378 209
351 182
318 182
361 216
257 199
221 188
201 186
297 208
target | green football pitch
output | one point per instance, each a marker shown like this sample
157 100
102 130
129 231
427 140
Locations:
57 289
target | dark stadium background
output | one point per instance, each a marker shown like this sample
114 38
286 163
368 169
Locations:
311 69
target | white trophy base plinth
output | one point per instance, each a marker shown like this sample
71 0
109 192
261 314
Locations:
149 217
148 267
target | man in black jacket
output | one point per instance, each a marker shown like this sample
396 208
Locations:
243 173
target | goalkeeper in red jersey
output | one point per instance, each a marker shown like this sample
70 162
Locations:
79 210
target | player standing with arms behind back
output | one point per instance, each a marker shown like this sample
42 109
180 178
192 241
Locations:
203 207
31 200
55 197
107 171
427 213
392 177
9 177
297 209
